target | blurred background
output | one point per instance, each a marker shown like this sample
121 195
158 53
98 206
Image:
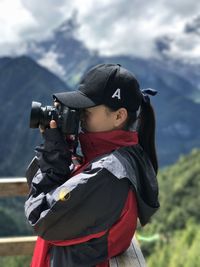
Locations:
46 46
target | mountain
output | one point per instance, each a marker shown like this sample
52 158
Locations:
21 81
63 53
188 71
176 224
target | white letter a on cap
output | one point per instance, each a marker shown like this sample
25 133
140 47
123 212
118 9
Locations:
117 94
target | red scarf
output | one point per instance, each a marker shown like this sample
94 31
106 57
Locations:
92 145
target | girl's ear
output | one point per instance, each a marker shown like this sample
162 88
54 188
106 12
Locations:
121 117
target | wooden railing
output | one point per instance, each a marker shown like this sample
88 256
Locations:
11 187
11 246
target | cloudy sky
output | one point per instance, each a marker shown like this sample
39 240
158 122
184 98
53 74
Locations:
135 27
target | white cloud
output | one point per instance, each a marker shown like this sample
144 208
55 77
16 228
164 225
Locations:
50 60
185 47
48 13
131 27
22 20
13 19
110 26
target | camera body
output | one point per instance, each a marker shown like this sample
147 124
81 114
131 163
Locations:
67 119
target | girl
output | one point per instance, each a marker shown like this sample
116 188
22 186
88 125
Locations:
85 214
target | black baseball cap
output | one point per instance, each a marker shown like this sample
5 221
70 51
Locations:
107 84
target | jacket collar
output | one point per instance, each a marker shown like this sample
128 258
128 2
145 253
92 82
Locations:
99 143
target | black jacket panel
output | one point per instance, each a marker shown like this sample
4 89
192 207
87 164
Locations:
93 201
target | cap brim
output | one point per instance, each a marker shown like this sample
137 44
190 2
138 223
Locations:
75 99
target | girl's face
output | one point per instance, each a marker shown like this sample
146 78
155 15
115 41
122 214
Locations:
101 119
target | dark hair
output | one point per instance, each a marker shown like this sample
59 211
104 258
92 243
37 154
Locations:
146 130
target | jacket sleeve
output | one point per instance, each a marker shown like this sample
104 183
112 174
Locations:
54 161
59 208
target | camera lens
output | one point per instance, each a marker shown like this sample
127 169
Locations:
42 115
67 119
35 114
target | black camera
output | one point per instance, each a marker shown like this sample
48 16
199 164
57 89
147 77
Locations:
67 119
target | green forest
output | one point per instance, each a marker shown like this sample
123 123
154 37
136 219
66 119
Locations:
173 236
171 239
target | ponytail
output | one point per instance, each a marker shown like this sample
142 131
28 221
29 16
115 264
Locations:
145 125
146 130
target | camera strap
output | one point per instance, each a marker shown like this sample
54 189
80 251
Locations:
31 170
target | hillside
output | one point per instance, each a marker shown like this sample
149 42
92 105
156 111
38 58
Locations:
22 80
177 222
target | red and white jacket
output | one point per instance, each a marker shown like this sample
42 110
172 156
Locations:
84 216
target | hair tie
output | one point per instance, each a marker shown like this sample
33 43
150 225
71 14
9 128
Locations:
146 92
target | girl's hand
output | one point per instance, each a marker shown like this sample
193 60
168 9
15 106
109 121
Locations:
52 124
